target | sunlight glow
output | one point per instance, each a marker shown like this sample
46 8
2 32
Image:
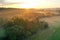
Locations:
28 3
32 3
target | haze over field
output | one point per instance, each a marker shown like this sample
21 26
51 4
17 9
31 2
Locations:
41 23
29 19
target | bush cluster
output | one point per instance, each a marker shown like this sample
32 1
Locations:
20 29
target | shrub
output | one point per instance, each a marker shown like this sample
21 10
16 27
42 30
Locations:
19 29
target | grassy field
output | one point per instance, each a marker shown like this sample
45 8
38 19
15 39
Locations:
49 34
56 35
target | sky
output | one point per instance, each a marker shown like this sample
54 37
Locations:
30 3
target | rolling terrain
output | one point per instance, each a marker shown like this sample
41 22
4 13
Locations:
46 34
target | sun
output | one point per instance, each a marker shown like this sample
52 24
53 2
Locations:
23 3
27 4
32 4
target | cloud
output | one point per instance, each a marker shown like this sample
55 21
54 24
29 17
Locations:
2 1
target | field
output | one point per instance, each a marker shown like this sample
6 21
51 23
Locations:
32 29
53 33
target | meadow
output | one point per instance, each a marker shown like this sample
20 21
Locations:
15 25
